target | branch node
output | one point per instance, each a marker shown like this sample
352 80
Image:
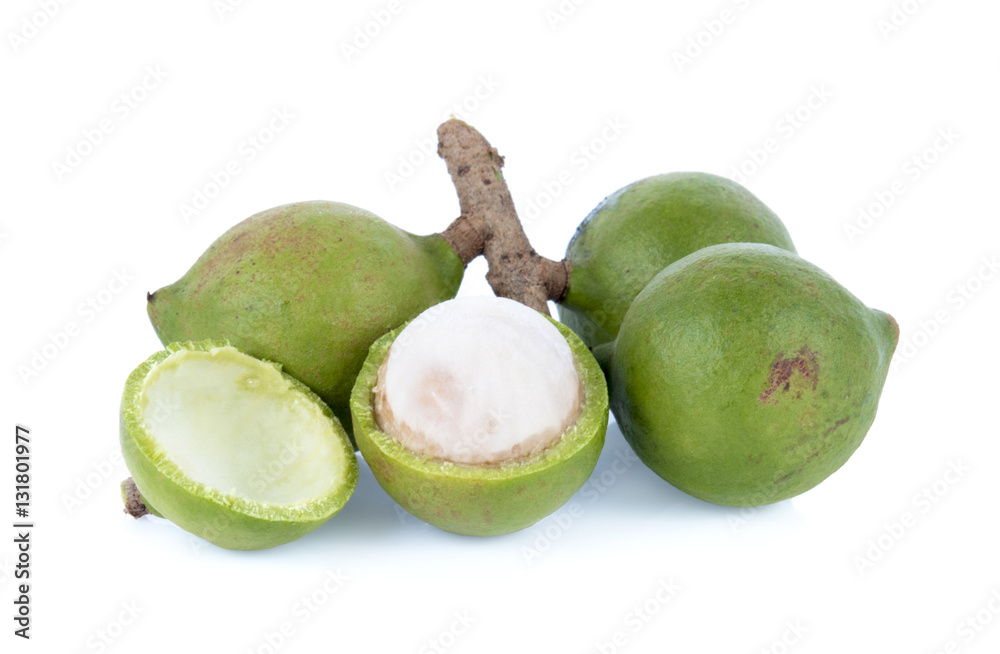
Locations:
489 224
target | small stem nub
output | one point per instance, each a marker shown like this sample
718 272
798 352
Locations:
134 504
466 238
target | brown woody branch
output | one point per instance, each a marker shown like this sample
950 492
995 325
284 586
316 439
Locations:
489 225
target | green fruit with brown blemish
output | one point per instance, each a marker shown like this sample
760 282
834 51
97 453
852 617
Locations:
311 286
641 229
744 375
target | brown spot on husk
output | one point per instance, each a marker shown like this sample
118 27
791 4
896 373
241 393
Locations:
836 424
783 370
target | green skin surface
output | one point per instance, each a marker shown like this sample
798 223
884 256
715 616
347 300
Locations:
484 500
311 286
225 520
744 375
641 229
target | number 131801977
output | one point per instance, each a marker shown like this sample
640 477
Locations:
22 478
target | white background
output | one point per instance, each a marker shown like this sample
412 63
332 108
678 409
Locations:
893 553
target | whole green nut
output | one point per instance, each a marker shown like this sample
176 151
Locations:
744 375
311 286
642 228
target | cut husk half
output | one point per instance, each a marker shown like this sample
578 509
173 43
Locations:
245 455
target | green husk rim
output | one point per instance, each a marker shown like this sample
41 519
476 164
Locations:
590 426
134 436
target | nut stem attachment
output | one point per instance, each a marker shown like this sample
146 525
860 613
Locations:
134 504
